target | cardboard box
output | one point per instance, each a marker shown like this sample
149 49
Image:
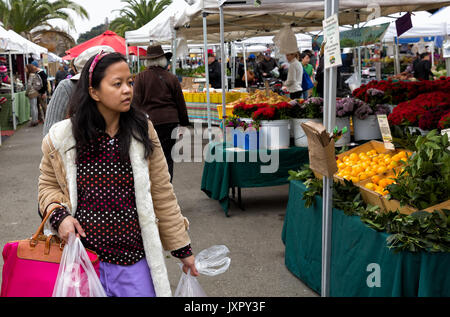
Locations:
321 149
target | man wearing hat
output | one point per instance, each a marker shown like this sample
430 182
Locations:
59 103
158 93
267 64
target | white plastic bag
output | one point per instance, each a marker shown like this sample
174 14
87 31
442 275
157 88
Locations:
212 261
71 280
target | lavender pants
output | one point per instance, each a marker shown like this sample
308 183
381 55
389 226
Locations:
127 281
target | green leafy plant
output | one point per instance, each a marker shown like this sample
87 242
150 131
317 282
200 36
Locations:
419 231
425 180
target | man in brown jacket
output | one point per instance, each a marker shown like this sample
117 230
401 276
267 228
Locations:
158 94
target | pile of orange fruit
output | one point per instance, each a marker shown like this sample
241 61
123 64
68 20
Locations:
378 184
358 167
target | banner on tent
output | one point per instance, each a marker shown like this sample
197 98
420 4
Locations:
360 36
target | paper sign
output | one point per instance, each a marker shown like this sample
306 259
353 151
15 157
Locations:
332 51
385 132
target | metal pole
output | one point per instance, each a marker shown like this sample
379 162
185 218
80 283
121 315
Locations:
174 52
223 68
205 56
331 7
138 60
233 65
13 104
245 66
127 52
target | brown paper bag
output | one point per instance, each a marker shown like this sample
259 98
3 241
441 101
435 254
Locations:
322 158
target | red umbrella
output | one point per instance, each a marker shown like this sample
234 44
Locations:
133 51
108 38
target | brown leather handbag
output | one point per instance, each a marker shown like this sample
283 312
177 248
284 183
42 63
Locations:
31 266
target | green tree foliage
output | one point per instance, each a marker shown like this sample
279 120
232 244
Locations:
136 14
23 16
95 31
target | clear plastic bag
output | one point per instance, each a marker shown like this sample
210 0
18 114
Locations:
212 261
76 275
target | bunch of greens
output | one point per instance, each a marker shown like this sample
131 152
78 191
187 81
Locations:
420 231
425 180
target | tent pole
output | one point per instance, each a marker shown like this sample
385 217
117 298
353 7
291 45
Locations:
245 66
330 7
138 60
24 69
233 65
205 57
174 52
13 104
223 67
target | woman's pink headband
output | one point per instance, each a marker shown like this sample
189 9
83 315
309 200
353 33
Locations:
94 64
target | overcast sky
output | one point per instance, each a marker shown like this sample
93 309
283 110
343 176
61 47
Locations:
98 10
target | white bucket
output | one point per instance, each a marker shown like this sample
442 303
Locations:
367 129
415 129
346 138
274 134
299 135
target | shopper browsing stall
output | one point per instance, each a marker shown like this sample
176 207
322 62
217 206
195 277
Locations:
294 79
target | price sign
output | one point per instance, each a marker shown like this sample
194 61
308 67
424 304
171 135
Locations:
332 51
385 132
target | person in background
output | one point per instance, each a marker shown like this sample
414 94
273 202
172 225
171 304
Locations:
293 82
124 207
61 74
308 68
320 72
42 99
158 94
422 71
4 78
57 109
214 70
267 65
32 93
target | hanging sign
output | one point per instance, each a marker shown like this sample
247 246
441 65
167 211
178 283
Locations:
403 24
332 50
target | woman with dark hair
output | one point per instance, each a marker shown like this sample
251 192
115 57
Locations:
104 177
32 92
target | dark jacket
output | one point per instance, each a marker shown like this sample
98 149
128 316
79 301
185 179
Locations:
158 94
423 70
267 66
215 75
44 77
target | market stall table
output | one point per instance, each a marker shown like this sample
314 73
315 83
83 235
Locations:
22 110
198 112
219 177
356 250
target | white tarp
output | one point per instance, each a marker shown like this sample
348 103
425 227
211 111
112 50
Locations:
8 44
28 46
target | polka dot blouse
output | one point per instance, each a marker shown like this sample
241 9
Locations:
107 204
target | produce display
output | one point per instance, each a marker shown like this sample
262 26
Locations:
215 97
358 167
259 97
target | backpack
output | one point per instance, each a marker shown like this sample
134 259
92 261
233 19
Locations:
307 84
36 82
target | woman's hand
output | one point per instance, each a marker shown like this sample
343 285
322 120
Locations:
70 225
189 264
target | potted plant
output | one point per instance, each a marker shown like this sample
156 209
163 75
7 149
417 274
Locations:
344 110
244 135
274 125
365 121
308 110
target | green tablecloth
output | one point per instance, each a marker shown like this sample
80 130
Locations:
22 110
219 177
354 247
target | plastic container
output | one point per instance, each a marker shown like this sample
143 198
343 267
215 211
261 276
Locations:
300 138
367 129
274 134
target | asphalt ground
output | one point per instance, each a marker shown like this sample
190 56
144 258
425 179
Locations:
253 235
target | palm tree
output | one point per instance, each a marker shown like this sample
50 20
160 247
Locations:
136 14
23 16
